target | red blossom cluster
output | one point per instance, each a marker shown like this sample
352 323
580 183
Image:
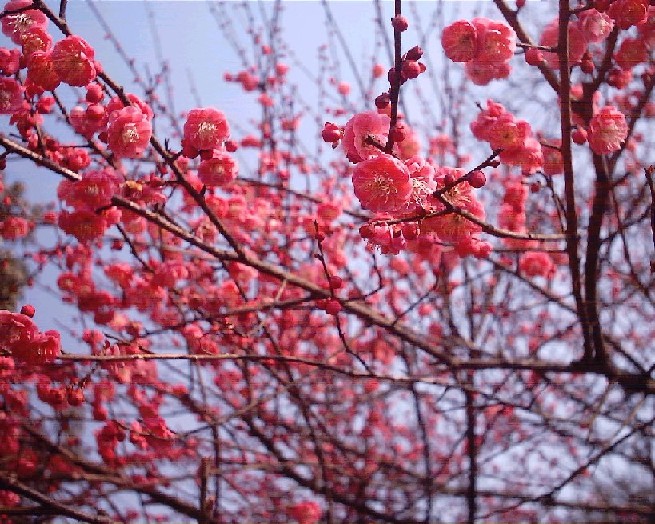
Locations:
22 340
485 45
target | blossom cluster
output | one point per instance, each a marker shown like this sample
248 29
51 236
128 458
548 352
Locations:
22 340
486 46
512 137
416 201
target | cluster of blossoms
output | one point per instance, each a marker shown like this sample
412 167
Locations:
126 130
485 45
512 137
206 133
22 340
87 197
593 26
403 185
71 60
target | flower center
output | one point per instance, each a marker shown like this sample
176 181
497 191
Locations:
130 134
205 129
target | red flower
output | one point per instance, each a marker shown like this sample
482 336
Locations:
12 228
607 130
74 61
595 26
84 225
361 131
496 41
382 184
537 264
307 512
627 13
92 192
205 128
44 348
9 61
17 330
219 170
36 39
460 41
128 132
41 71
11 96
14 26
577 43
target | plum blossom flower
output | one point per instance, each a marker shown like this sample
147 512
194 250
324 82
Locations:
307 512
11 96
219 170
73 60
496 41
382 184
128 132
94 190
13 228
205 128
460 41
41 71
361 131
577 43
607 130
595 26
627 13
16 25
485 45
537 264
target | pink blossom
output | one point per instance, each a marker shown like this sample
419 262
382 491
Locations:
86 225
116 104
496 41
128 132
13 228
205 128
15 25
529 155
94 190
627 13
360 131
553 158
459 41
219 170
536 264
9 61
483 125
41 71
507 133
607 130
631 52
307 512
577 43
35 39
17 329
451 227
11 96
423 184
382 184
595 26
482 73
73 61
